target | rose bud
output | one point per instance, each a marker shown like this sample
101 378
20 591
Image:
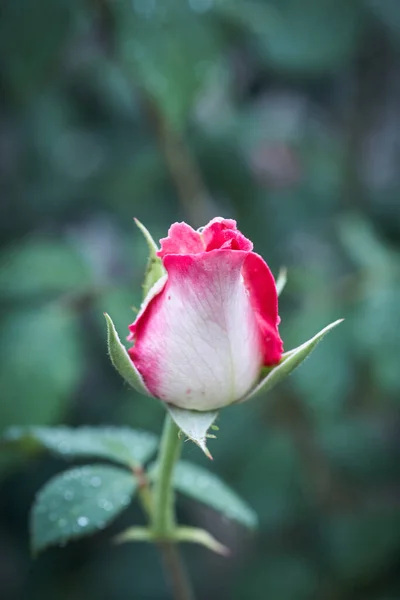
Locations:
208 326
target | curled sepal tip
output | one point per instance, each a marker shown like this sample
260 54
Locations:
121 361
281 280
194 424
289 361
154 269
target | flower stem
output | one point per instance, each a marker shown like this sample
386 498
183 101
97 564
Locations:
163 510
175 571
163 513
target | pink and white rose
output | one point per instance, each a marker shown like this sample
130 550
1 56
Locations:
206 328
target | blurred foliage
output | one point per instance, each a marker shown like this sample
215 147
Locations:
284 115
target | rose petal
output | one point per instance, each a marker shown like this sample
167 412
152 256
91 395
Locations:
222 233
198 341
182 239
154 291
260 283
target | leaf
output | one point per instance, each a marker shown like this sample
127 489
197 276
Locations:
123 445
121 361
79 502
38 377
41 267
154 269
169 52
290 360
194 424
201 485
293 35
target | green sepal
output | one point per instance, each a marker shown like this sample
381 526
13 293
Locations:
281 280
289 361
154 269
194 424
121 360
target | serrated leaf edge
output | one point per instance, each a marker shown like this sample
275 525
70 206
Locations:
37 549
34 433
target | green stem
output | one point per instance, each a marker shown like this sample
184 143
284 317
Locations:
163 496
175 571
163 512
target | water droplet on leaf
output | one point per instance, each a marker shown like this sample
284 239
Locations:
82 521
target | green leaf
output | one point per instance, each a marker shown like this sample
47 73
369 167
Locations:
290 360
201 485
41 267
120 444
79 502
154 269
194 424
121 361
293 35
38 377
168 52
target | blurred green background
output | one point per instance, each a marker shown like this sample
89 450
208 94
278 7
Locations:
283 114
